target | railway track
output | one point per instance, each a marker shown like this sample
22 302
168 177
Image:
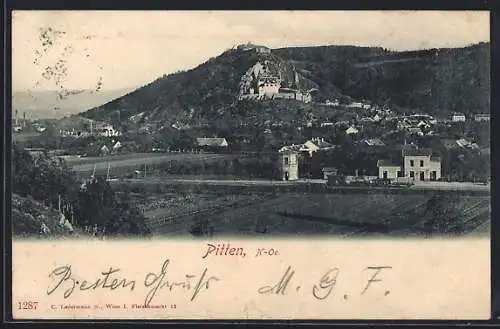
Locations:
467 219
391 225
156 223
473 218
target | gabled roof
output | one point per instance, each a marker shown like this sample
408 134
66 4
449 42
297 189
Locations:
352 130
374 142
417 152
463 142
290 148
211 141
388 163
422 123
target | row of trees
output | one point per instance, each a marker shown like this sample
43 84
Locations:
49 180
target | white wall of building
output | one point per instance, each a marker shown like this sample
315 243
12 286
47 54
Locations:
289 166
269 88
419 167
392 171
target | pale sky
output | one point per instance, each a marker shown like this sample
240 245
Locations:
122 49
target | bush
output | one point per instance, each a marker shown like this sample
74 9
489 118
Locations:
48 180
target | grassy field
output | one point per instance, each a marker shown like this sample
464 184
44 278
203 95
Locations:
23 137
123 164
320 214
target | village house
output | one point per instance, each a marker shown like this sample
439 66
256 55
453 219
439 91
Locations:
389 169
458 117
417 165
366 120
357 105
482 117
464 143
211 143
332 103
327 124
315 145
351 130
106 130
289 165
423 124
419 117
310 147
290 148
373 142
329 171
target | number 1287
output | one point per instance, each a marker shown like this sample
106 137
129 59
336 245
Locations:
27 305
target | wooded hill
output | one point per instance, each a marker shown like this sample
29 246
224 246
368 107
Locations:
436 81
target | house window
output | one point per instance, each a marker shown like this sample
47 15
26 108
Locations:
421 163
412 174
286 161
401 173
412 163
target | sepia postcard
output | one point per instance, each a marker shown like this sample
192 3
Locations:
229 165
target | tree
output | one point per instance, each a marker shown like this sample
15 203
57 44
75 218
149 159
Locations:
99 206
49 180
45 178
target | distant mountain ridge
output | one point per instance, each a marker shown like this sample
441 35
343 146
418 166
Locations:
435 81
54 104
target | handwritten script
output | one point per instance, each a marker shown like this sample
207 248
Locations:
68 283
112 279
324 286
